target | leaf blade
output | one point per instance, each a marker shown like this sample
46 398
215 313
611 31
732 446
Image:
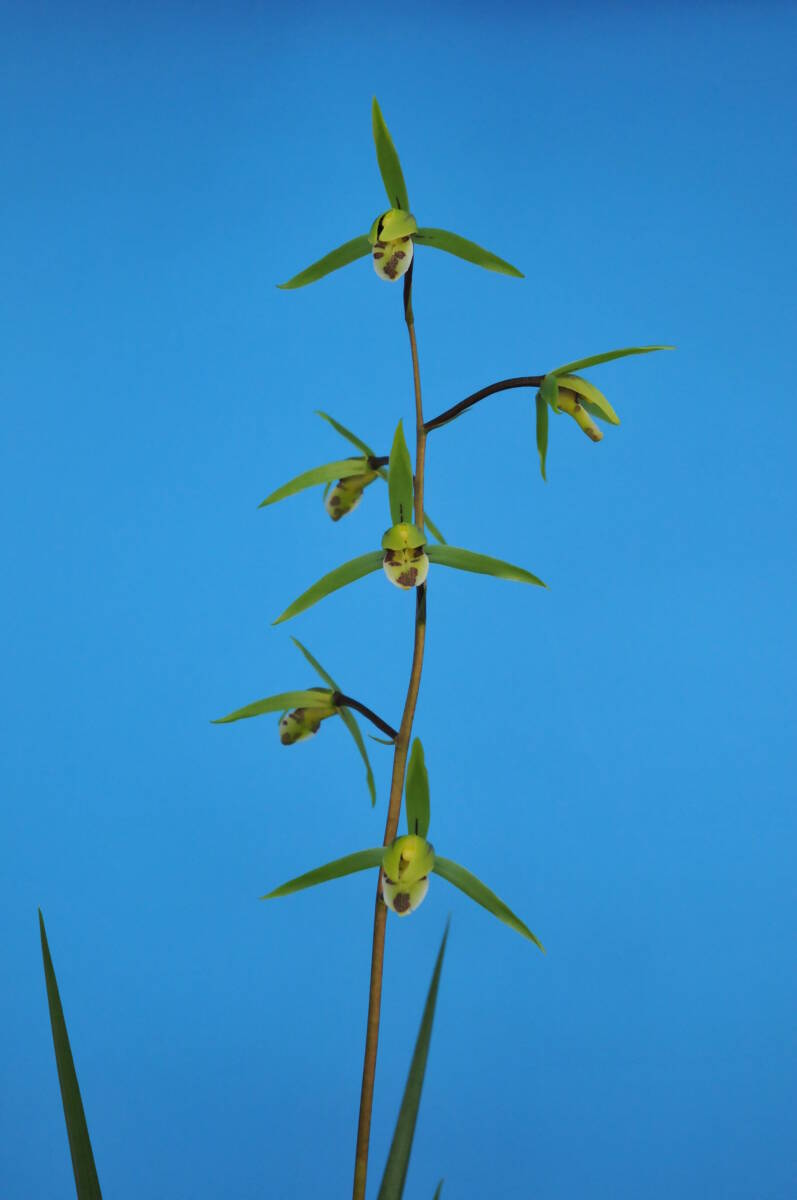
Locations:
595 359
354 729
460 247
347 434
399 479
474 889
349 252
348 572
416 792
361 860
480 564
388 160
326 473
271 704
393 1180
87 1184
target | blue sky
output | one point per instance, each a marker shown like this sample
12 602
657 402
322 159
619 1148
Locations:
615 755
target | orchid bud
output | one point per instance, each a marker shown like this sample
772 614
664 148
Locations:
569 402
347 493
406 865
405 562
391 238
303 723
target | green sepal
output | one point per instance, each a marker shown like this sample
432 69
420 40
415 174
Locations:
312 698
403 537
452 243
595 359
478 891
393 1180
361 860
315 664
328 473
347 434
354 729
391 225
86 1182
417 792
590 398
438 1191
388 159
430 525
542 430
399 479
349 572
349 252
480 564
549 390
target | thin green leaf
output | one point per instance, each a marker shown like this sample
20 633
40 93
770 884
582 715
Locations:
481 564
417 792
349 252
280 703
315 664
399 479
354 729
542 431
361 860
590 398
430 525
328 473
349 572
347 434
392 1187
388 159
582 363
86 1181
478 891
438 1191
452 243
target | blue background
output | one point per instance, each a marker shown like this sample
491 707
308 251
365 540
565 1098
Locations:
614 755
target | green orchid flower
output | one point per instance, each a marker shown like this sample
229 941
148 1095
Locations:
408 862
309 708
353 476
405 555
394 234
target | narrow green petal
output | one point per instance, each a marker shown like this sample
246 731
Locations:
349 572
417 792
388 159
478 891
399 480
549 390
361 860
542 431
328 473
354 729
441 239
347 433
481 564
276 704
582 363
86 1181
315 664
430 525
590 398
392 1187
349 252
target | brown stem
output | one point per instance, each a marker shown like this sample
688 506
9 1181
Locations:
341 701
503 385
396 786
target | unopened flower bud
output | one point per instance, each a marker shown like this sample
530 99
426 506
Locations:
569 402
391 238
347 494
303 723
406 865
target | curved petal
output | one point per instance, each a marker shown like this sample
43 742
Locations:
478 891
452 243
279 704
349 252
480 564
349 572
361 860
328 473
582 363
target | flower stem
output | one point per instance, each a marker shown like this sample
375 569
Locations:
396 785
341 701
503 385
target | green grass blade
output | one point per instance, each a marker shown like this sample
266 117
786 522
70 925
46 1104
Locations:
593 361
388 159
349 252
481 564
328 473
478 891
315 664
430 525
347 434
452 243
361 860
542 431
399 479
395 1175
349 572
280 703
591 398
86 1181
354 729
417 792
